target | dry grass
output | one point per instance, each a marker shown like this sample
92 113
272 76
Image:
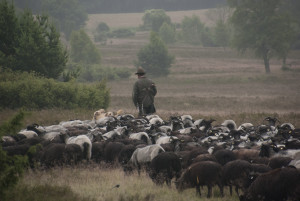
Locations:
97 183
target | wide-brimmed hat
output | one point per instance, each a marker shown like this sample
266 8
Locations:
140 71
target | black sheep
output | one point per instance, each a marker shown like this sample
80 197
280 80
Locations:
280 161
164 167
188 159
235 173
277 185
224 156
58 154
98 151
111 151
205 173
126 153
205 157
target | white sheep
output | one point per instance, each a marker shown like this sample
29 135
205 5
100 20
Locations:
28 133
166 139
245 126
82 141
156 121
50 135
145 155
230 124
141 136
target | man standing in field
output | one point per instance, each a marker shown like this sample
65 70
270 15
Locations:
143 93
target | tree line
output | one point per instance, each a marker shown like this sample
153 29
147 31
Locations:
124 6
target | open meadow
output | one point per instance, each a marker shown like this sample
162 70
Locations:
203 82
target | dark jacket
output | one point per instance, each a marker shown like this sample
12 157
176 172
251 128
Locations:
143 94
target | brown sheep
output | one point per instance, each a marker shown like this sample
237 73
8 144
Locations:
246 154
205 173
280 161
235 173
277 185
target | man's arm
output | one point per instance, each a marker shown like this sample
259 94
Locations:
153 87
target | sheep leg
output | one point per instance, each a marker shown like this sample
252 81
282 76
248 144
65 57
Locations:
139 169
221 190
237 190
230 190
198 192
209 191
168 181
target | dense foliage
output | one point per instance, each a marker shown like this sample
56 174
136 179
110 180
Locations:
11 167
154 57
68 15
263 27
30 91
154 19
167 33
83 50
194 31
30 43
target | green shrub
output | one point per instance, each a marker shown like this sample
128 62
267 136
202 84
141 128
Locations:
11 167
102 27
101 37
155 57
83 50
31 91
98 73
121 33
167 33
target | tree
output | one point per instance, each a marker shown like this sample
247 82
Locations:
221 34
83 49
167 33
154 57
8 33
192 28
261 26
69 15
34 44
153 19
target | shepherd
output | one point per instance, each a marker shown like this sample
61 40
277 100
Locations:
143 94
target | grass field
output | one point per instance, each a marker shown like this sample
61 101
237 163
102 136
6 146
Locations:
204 82
95 183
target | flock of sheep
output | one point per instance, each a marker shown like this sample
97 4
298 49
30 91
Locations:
262 162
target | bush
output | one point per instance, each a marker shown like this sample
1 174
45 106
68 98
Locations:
167 33
31 91
11 167
154 18
121 33
83 50
102 27
97 73
154 57
102 32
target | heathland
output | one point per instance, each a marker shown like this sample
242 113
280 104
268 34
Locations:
204 82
